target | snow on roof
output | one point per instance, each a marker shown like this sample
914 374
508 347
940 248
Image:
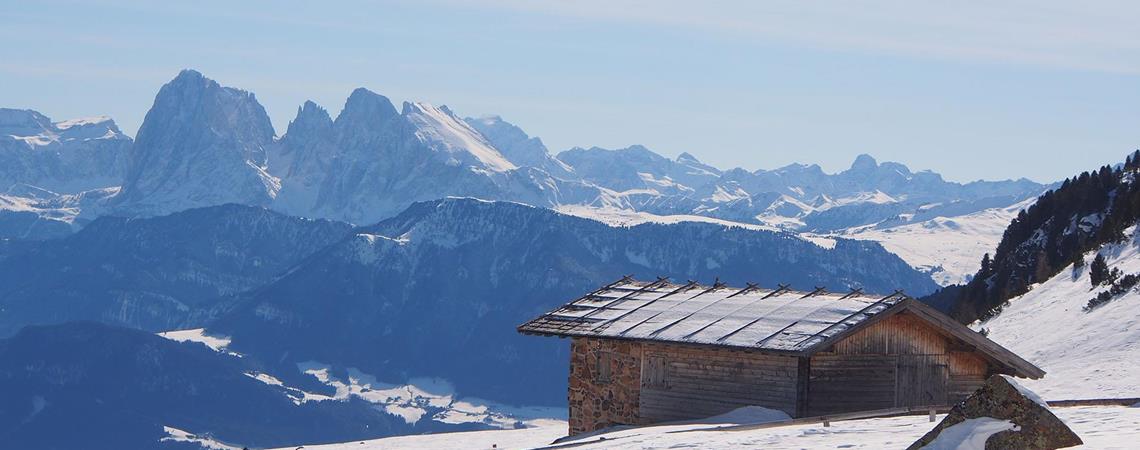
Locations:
778 320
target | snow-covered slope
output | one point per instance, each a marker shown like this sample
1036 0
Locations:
1101 428
518 147
439 129
1093 354
948 248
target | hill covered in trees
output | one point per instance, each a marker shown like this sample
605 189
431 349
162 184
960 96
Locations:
1085 212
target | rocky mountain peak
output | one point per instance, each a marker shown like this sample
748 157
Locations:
200 144
23 122
863 163
311 118
365 110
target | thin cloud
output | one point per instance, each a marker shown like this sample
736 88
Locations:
1098 36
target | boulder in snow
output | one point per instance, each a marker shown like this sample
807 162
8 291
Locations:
1000 415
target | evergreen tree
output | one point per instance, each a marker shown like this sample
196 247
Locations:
1078 264
1098 271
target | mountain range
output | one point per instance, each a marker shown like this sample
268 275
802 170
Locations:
202 144
394 243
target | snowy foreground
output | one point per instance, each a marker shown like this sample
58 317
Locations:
1100 427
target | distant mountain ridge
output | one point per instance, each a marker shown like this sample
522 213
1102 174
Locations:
203 144
801 197
155 273
64 157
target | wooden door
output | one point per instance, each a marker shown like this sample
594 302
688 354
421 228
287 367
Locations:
847 383
922 380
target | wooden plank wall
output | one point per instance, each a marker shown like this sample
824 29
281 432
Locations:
900 361
696 382
845 383
968 372
900 334
921 380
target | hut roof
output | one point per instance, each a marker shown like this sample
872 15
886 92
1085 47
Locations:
780 321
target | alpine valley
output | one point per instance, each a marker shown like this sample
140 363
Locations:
366 272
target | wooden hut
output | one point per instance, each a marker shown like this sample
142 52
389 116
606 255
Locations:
646 352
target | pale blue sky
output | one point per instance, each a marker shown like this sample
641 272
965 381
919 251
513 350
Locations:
1034 89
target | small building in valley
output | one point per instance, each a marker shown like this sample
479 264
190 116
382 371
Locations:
647 352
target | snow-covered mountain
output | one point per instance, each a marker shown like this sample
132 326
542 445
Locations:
372 161
203 144
797 197
637 168
518 147
64 157
200 144
452 278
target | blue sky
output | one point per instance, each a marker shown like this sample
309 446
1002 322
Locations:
970 90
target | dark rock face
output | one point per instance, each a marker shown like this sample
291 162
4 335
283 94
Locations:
1002 398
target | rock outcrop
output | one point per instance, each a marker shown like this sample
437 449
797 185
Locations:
1002 415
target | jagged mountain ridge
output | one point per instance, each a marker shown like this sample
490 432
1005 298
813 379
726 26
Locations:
414 285
203 144
372 161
